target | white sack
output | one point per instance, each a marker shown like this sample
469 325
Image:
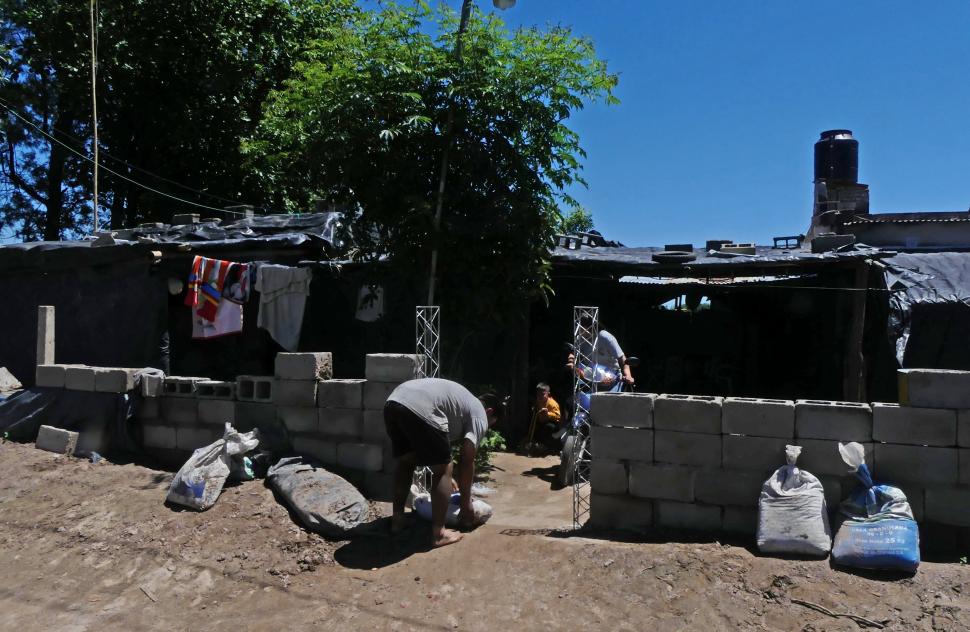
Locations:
792 515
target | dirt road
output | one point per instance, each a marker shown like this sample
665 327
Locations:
92 547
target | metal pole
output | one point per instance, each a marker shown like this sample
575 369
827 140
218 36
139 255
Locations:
94 109
584 337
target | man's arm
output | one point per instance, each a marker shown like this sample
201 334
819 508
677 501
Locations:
466 474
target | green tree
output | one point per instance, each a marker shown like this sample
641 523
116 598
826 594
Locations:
578 220
361 122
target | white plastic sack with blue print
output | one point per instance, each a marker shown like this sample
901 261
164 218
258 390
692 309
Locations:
200 481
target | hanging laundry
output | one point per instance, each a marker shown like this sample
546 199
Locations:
370 303
209 282
282 299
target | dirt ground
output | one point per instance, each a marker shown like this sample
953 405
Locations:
92 547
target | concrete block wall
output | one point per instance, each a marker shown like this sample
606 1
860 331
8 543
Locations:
698 463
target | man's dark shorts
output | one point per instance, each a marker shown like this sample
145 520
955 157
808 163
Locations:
410 433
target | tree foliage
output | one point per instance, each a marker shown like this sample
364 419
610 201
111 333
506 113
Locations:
577 220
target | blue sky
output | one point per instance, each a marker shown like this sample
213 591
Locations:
722 102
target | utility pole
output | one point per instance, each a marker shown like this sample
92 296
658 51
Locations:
94 108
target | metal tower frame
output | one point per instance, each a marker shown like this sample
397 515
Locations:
583 340
427 336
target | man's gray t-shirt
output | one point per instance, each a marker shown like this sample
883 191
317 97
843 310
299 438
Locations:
446 405
606 350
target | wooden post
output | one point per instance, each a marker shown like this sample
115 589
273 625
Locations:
854 382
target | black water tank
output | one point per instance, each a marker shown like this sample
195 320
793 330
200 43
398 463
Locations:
837 156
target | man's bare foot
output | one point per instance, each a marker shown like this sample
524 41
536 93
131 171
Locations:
446 537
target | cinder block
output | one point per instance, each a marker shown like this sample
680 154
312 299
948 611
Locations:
948 505
152 385
836 489
298 419
963 428
758 417
376 394
158 436
964 465
305 366
180 410
822 458
192 437
323 451
910 425
740 520
180 386
675 515
340 393
687 448
608 477
622 444
374 430
620 512
255 388
688 413
216 412
149 408
360 456
296 393
755 454
212 389
392 367
934 388
341 422
251 415
722 487
838 421
80 378
916 464
51 375
627 410
662 482
114 380
56 440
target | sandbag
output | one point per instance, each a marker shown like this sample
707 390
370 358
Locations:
792 515
324 502
481 510
200 481
877 529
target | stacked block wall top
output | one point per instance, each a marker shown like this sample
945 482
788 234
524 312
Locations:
934 388
626 410
839 421
255 388
758 417
912 425
392 367
152 385
688 413
212 389
305 366
51 375
56 440
340 393
80 378
180 386
113 380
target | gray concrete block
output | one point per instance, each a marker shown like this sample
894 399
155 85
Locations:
662 482
608 477
963 428
376 393
323 451
340 393
392 367
216 412
911 425
295 393
836 489
688 413
180 410
360 456
255 388
934 388
627 410
740 520
158 436
193 437
915 495
758 417
149 408
622 444
373 429
838 421
340 422
298 419
152 385
916 464
756 454
56 440
964 465
80 378
251 415
620 512
687 448
675 515
50 375
948 505
822 458
114 380
305 366
45 335
723 487
213 389
180 386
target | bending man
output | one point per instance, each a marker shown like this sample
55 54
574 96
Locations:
423 418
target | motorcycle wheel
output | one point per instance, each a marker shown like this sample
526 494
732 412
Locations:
567 464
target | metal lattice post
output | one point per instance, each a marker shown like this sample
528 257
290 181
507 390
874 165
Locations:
584 338
427 336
